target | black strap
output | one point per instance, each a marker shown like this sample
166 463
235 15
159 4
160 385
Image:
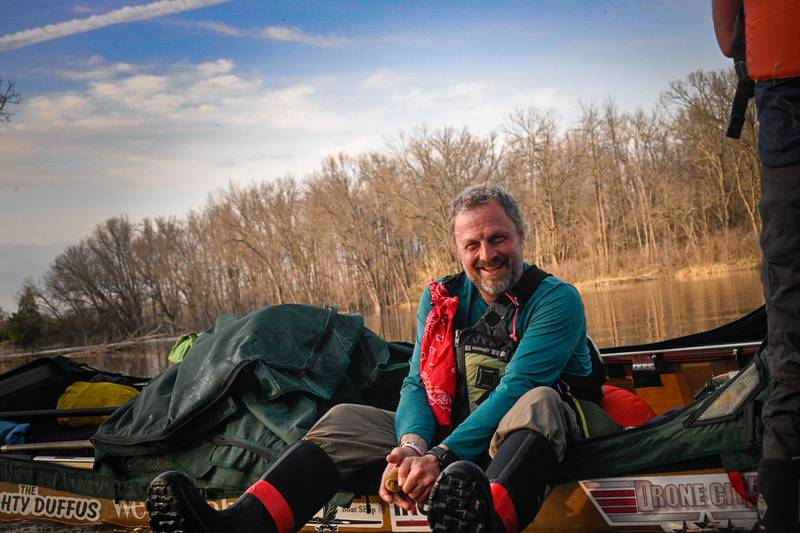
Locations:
589 388
527 284
745 89
450 282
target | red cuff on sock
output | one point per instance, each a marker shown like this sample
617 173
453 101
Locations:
275 504
504 507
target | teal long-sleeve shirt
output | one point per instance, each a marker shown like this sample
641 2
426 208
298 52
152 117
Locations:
553 342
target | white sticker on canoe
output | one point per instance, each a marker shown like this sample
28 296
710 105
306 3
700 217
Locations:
360 514
698 501
403 520
130 510
28 502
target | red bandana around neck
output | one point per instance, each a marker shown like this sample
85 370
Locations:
438 356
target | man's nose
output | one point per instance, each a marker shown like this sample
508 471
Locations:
487 252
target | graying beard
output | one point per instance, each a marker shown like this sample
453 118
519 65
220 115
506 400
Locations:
514 276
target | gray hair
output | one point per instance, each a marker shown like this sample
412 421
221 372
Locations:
481 194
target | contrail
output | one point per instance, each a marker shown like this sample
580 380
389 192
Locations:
118 16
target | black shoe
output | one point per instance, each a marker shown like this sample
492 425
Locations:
461 500
175 505
778 496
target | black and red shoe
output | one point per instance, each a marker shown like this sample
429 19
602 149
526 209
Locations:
461 500
176 506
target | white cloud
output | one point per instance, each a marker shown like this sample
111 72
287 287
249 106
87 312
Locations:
177 104
295 35
357 145
95 68
217 87
542 97
455 95
144 85
173 96
381 80
298 108
215 68
173 102
469 89
45 117
118 16
156 139
218 27
58 110
15 145
212 27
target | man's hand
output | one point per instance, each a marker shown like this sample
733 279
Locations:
393 460
415 477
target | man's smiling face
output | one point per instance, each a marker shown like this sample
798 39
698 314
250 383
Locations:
490 248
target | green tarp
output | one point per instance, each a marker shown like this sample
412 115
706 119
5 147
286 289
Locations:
245 391
721 430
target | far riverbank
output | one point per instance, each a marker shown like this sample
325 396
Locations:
694 272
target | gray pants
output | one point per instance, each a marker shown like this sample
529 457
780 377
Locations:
780 241
359 437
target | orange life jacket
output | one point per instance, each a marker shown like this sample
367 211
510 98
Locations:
772 38
766 46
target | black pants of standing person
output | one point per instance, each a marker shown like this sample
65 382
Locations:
778 103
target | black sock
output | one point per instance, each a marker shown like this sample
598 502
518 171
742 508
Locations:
524 464
305 477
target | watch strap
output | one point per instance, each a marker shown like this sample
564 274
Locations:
444 456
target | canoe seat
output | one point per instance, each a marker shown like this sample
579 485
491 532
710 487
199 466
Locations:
625 407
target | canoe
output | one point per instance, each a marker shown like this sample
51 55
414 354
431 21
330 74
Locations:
691 381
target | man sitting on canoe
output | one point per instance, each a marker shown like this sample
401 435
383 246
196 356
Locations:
500 351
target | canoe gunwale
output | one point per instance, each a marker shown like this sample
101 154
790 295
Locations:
687 354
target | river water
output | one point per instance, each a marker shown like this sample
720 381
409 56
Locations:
637 312
620 314
616 315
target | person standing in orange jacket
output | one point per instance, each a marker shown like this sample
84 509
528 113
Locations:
763 38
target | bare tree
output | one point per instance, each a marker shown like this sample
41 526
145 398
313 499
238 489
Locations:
532 158
8 96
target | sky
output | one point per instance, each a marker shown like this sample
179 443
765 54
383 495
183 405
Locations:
143 108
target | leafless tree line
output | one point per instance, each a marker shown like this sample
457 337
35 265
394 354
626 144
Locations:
614 193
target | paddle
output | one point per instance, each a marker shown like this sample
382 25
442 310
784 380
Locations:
56 413
42 446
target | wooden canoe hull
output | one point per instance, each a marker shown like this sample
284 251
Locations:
658 502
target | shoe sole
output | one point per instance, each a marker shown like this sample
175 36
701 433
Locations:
166 512
454 508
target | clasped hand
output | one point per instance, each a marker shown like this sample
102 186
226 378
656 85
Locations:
415 477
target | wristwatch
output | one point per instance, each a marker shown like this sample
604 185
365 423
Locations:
444 456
